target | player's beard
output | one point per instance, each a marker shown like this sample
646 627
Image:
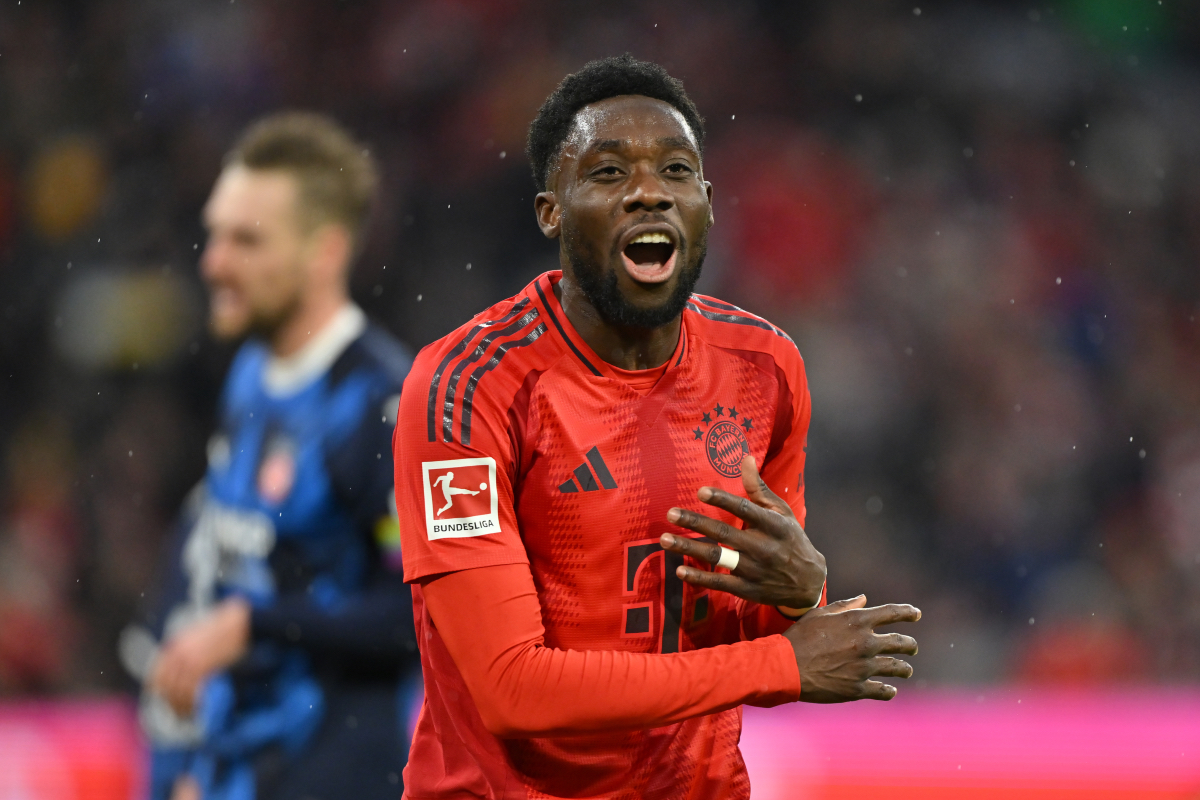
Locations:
265 324
261 322
601 289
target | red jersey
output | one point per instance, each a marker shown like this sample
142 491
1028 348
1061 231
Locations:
517 445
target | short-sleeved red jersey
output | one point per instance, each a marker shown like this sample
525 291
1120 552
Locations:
515 443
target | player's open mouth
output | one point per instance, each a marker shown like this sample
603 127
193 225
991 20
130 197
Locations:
649 257
224 298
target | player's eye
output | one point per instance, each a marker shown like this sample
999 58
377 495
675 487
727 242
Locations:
246 238
678 168
607 171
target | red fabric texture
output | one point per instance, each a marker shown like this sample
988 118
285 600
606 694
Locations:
643 380
524 689
519 452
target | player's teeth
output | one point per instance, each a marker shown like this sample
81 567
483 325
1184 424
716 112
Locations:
651 238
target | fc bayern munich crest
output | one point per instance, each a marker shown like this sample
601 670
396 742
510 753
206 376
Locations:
725 439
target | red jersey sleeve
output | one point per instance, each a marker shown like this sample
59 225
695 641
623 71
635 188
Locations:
491 623
783 466
454 493
783 471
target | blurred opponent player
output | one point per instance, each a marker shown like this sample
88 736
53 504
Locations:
284 630
576 640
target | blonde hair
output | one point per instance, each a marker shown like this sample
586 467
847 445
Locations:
336 175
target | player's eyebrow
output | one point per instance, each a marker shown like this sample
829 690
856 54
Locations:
671 142
678 142
604 145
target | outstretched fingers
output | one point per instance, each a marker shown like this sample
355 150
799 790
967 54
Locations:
884 667
837 606
891 613
896 643
754 515
714 529
877 690
889 667
761 508
696 548
842 658
757 489
731 584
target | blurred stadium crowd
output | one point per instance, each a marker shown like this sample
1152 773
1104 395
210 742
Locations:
980 221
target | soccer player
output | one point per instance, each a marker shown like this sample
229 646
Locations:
287 633
630 573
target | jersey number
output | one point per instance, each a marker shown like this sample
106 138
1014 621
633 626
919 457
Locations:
638 617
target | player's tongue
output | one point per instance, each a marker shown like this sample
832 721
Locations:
649 258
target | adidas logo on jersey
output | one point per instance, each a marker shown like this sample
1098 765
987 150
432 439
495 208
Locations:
587 481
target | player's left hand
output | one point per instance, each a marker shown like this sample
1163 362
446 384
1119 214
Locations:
191 656
777 563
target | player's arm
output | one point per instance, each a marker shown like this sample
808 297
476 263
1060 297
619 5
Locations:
186 657
169 763
490 621
372 628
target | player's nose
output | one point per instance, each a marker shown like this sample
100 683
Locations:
647 192
214 259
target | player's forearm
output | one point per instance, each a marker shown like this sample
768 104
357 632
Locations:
490 622
542 691
373 627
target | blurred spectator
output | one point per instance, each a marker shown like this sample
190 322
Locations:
40 548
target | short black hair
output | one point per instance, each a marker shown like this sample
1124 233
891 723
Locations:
600 80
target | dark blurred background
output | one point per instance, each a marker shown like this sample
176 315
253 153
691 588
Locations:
980 221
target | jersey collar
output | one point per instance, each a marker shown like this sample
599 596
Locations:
544 293
286 376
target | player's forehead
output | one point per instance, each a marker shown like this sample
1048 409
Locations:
242 195
628 122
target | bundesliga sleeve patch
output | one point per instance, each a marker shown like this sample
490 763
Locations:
460 498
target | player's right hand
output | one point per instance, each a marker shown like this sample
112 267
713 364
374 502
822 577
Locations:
839 654
778 564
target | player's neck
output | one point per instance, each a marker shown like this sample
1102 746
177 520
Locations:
311 317
626 348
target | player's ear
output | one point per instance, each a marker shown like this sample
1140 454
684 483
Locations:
331 251
549 214
708 191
